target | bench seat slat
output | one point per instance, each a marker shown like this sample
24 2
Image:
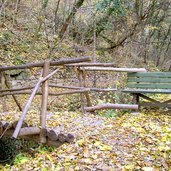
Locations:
149 86
149 80
150 74
158 91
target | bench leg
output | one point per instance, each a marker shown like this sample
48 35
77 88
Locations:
135 100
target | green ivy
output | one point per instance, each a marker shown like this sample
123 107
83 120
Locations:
116 7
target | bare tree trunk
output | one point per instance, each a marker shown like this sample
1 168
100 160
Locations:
56 11
77 5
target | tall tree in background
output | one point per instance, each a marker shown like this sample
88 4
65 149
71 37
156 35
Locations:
76 6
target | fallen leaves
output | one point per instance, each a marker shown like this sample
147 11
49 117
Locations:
130 142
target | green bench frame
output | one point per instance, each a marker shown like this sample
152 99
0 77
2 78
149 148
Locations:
141 83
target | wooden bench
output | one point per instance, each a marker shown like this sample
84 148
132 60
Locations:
143 83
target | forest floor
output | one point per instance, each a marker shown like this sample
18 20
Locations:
133 141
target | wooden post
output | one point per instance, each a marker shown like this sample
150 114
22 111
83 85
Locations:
4 106
45 90
14 97
135 100
78 74
83 74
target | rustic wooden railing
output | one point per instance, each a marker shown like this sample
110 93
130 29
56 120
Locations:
80 66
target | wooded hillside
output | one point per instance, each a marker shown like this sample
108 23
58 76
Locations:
137 31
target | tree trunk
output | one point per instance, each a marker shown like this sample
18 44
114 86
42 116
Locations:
75 8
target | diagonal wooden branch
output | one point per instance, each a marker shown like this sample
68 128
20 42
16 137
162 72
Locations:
19 124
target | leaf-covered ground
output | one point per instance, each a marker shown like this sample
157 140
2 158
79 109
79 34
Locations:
130 142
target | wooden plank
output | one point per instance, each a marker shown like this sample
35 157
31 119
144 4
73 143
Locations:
158 91
149 86
113 69
149 80
150 74
147 104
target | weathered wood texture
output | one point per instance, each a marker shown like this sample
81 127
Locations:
59 134
113 69
3 100
14 97
29 131
83 75
53 133
17 89
50 93
90 88
111 106
78 74
91 64
150 74
52 63
44 101
154 91
35 137
61 86
149 80
19 124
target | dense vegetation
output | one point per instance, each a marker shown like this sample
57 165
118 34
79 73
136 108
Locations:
137 31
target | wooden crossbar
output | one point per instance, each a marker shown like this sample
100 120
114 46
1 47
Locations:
113 69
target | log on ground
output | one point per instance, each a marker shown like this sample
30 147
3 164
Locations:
111 106
59 134
29 131
53 133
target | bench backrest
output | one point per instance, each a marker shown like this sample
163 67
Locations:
149 80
